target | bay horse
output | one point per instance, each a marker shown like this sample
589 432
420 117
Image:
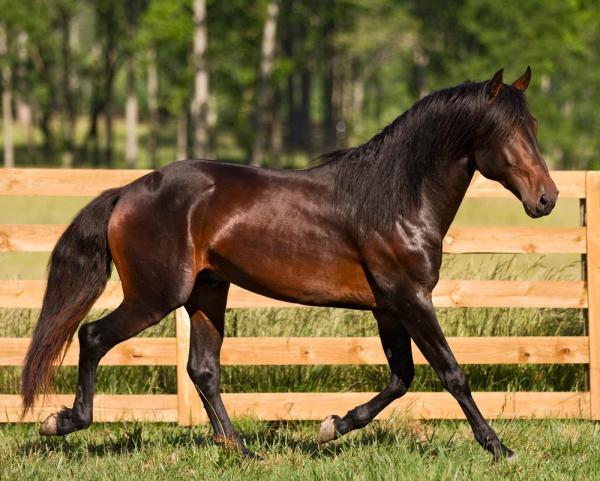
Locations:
362 229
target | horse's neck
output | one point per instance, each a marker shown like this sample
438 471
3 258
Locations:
442 198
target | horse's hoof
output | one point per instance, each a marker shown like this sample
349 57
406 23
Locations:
327 431
50 425
508 456
251 455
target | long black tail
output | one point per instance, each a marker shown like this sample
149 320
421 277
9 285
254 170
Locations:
79 269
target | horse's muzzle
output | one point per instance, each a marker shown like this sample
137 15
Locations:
544 205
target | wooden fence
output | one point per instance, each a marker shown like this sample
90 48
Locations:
185 407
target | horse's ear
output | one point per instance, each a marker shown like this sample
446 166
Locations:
522 82
494 85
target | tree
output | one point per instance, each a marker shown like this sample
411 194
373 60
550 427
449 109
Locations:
133 11
66 10
7 116
166 32
560 39
264 94
152 84
390 53
106 56
201 93
24 107
131 117
287 79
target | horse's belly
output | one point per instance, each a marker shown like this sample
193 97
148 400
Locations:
331 282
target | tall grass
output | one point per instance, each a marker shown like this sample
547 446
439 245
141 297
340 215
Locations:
340 322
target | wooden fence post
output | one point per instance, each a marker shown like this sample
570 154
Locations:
188 403
593 279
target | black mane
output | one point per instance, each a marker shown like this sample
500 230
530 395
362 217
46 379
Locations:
383 177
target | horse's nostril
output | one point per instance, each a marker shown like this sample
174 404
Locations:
543 199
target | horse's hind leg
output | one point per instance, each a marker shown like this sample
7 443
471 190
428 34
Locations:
206 308
397 347
95 340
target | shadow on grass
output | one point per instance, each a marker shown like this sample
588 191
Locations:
270 438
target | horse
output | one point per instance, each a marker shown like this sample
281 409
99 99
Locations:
362 228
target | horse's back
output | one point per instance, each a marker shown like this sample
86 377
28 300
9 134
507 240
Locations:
270 231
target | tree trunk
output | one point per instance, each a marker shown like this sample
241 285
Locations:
378 98
131 117
420 63
337 105
92 137
276 127
329 120
108 119
346 105
110 70
153 108
358 99
293 114
182 135
201 92
96 106
7 115
67 79
131 103
264 94
305 136
24 109
75 38
102 94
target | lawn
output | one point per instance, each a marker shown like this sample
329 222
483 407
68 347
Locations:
399 449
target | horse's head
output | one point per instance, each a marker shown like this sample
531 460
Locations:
512 156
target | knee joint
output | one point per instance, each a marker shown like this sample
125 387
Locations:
89 340
85 334
399 387
455 381
400 384
203 376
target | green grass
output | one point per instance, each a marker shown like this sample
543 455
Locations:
399 449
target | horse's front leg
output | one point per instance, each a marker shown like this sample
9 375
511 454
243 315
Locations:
397 348
421 323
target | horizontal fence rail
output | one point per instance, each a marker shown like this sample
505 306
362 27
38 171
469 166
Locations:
460 240
307 351
185 407
89 182
448 293
309 406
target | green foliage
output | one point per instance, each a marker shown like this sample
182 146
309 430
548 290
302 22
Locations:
343 69
557 39
167 27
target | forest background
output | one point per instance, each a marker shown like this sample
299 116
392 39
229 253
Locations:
141 83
